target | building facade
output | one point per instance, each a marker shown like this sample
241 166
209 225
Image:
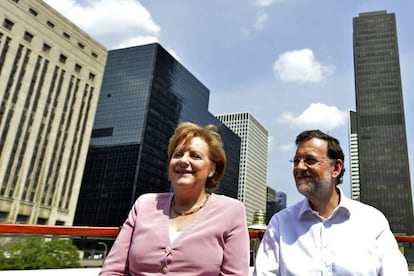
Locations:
281 201
253 160
270 203
382 144
50 78
353 156
145 94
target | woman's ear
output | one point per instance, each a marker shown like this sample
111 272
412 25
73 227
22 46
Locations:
212 169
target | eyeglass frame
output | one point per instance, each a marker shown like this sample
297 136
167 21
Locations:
309 161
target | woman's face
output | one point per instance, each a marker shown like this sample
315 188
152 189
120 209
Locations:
190 165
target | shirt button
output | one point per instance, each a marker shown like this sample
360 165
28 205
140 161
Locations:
167 249
164 270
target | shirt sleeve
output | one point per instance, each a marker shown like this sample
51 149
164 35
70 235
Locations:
236 245
392 260
116 263
267 255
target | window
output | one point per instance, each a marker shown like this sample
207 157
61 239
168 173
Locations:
22 219
28 36
78 68
80 45
3 216
62 58
66 35
46 48
91 76
102 132
50 24
32 12
7 24
41 221
95 55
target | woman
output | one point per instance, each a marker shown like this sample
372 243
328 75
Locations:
188 232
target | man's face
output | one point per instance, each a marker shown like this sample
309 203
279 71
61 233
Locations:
313 171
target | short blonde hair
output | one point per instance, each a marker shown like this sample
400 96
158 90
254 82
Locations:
186 131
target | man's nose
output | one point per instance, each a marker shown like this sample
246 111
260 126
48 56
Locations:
300 164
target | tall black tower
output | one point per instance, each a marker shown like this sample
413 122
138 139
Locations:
145 94
382 144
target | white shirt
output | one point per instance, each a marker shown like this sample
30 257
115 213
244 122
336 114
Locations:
354 240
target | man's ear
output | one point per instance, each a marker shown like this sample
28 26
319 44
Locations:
337 168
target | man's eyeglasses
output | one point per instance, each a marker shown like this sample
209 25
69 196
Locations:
308 161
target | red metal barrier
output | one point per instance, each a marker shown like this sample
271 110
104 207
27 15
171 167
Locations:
59 230
105 231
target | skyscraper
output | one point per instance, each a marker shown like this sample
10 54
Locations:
382 144
145 94
50 78
253 160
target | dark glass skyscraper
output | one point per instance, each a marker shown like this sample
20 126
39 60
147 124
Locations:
383 157
145 94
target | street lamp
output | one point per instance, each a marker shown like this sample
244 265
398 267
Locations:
106 249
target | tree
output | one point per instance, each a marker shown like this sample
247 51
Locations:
38 253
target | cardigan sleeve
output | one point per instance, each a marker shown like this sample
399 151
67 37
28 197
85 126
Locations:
116 263
236 246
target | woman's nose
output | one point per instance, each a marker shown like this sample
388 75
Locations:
183 160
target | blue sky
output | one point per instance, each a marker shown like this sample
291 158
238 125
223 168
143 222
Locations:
288 62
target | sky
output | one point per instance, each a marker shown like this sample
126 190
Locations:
287 62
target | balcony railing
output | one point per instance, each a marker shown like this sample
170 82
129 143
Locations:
73 231
110 233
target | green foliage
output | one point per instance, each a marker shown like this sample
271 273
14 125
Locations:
37 253
409 253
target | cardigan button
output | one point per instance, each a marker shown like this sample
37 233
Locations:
164 270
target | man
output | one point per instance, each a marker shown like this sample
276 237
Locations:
326 233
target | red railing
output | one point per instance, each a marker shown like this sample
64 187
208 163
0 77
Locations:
76 230
107 231
59 230
90 232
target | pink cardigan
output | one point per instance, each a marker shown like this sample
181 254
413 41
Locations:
217 243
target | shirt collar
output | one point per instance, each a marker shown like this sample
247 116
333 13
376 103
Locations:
343 206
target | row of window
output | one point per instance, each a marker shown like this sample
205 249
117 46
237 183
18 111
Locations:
46 48
19 153
51 25
23 219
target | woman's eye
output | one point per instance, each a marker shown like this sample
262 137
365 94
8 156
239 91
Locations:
177 154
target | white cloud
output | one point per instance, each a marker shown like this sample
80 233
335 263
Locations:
300 66
316 116
261 20
111 22
139 40
270 143
263 15
265 3
287 147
